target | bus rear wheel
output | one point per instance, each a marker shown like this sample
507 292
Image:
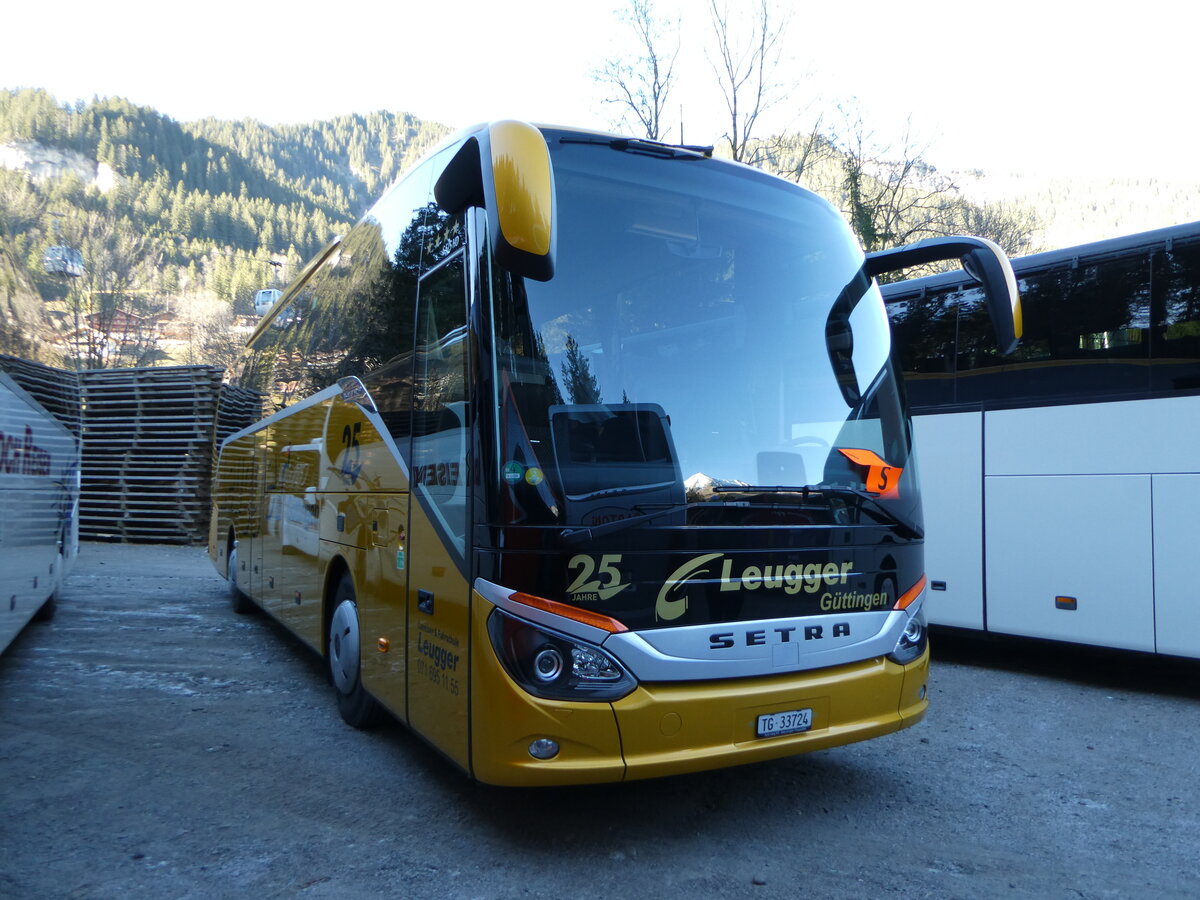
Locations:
358 708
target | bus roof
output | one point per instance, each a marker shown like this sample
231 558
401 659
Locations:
1159 238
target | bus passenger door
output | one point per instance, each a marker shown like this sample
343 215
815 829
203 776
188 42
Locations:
383 603
438 574
250 544
291 564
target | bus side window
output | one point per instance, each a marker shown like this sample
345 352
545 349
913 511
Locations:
923 329
440 397
1176 352
1085 330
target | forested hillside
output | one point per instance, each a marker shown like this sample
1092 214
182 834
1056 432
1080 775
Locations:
1083 208
179 223
162 209
20 308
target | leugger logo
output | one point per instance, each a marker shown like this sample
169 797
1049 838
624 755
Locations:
717 568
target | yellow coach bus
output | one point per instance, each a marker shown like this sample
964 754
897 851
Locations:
591 463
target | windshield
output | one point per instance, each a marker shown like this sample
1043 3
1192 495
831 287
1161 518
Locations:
708 346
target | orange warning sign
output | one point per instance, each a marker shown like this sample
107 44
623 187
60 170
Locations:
882 479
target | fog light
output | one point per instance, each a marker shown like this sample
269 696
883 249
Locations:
922 694
543 748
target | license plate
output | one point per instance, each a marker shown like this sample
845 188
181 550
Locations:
790 722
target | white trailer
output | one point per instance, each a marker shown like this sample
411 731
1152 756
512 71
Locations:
39 506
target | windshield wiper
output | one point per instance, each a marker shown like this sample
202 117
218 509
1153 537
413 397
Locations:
647 147
870 503
586 533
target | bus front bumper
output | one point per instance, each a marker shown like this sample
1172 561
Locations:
670 729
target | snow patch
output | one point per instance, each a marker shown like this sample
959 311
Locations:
43 163
706 484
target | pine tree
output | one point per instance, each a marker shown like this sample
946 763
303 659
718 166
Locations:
581 384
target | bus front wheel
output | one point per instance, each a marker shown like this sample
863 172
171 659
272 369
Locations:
358 708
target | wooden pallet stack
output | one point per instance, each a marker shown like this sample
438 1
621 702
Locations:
147 452
149 442
57 390
237 408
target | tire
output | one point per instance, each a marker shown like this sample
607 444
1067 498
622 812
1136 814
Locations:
358 708
239 601
46 611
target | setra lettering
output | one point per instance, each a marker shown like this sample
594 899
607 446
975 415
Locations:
437 474
759 637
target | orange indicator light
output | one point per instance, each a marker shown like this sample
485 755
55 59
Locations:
907 598
596 620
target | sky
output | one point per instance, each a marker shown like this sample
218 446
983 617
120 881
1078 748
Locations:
1032 87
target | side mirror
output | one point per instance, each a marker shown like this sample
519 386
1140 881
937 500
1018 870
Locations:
505 169
983 261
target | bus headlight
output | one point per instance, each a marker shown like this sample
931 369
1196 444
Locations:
913 640
554 666
548 664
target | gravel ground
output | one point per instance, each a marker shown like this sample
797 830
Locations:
154 744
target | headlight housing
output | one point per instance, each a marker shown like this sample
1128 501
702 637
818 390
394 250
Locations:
913 640
555 666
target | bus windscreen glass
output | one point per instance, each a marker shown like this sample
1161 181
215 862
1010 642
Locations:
711 314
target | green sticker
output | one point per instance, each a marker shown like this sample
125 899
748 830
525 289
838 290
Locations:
400 559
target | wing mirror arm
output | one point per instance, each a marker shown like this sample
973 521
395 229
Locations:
983 260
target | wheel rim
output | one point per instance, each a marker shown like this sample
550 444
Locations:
343 646
231 568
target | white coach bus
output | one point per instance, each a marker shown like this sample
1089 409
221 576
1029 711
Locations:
39 497
1068 474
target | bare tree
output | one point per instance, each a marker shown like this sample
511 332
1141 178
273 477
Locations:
115 317
745 68
1016 228
208 329
802 156
642 82
22 321
891 196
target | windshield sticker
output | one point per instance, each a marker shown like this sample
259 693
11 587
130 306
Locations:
881 478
